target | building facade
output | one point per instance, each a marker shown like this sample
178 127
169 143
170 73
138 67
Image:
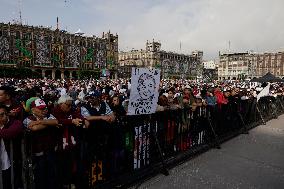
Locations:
172 65
233 66
269 62
249 65
210 70
210 64
57 53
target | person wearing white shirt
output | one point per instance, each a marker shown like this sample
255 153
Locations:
9 129
63 91
82 94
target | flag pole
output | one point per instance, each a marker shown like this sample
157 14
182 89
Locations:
260 114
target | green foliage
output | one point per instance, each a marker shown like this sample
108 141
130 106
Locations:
7 62
55 58
18 72
86 74
158 66
110 62
25 51
89 55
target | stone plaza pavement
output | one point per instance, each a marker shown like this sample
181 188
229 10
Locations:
247 161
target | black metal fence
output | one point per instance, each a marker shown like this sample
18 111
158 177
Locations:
144 145
136 147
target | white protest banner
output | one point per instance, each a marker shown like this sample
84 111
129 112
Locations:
264 92
144 91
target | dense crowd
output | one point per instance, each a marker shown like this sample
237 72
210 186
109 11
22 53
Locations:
55 112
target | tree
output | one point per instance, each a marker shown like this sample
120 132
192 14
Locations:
86 74
19 72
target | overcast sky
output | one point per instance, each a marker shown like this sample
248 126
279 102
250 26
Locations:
206 25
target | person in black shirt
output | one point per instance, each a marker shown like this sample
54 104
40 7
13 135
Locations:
117 107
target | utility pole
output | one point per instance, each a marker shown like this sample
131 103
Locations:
20 11
57 24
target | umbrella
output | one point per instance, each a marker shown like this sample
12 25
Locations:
269 77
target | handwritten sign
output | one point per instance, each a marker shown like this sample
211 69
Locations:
144 91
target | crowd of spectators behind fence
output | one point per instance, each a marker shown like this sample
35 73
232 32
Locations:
55 112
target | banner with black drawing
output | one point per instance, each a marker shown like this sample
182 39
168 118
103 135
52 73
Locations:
144 91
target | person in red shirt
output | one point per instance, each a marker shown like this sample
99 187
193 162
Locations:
10 130
69 139
221 117
220 99
43 129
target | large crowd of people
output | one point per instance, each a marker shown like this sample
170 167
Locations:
55 112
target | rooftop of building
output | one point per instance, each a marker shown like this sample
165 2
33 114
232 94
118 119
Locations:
50 29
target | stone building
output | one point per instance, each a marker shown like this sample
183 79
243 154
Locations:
233 65
210 64
210 70
57 53
172 65
138 58
268 62
248 65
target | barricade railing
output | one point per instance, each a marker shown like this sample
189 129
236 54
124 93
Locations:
136 147
184 132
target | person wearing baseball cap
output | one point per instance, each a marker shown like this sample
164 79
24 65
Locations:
44 132
38 103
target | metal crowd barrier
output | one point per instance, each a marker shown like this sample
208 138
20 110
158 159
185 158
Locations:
136 147
153 143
